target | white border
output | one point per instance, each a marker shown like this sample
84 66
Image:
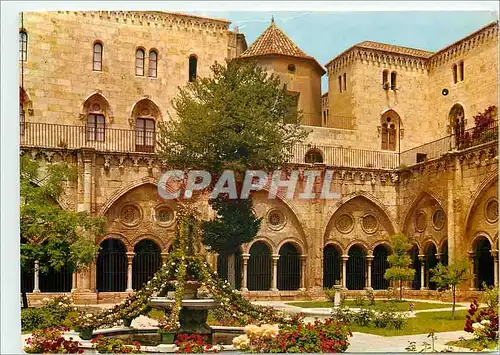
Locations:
9 223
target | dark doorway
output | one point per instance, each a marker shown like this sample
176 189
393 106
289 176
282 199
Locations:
259 267
288 268
112 267
356 269
430 262
444 253
416 265
331 266
146 262
380 264
484 264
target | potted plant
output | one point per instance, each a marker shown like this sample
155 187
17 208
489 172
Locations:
127 321
167 330
85 325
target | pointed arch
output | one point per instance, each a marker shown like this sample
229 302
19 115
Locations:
421 195
483 186
148 180
148 236
372 199
145 108
96 103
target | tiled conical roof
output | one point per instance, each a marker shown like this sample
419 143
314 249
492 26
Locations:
274 41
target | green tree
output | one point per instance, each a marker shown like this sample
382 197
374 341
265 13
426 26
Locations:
49 234
449 277
400 262
239 118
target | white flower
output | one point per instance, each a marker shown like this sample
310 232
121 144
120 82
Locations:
485 322
477 326
60 303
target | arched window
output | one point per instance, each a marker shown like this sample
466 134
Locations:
193 68
340 83
97 66
380 265
461 70
385 79
389 131
146 262
356 268
393 80
153 64
454 74
259 269
112 267
331 266
139 62
145 135
96 109
457 123
313 156
288 268
23 46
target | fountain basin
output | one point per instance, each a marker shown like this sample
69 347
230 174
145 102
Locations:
195 304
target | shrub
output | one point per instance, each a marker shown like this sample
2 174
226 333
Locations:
51 341
483 323
359 300
35 318
370 296
389 318
193 343
343 315
364 317
105 345
51 313
330 294
327 336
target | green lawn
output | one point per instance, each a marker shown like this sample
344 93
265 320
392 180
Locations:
474 344
421 324
399 306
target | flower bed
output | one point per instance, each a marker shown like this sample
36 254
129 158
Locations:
51 341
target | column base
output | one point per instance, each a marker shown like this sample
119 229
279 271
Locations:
129 290
244 289
274 290
302 289
472 289
424 288
35 291
368 288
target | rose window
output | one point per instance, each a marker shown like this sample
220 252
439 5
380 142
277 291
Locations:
344 223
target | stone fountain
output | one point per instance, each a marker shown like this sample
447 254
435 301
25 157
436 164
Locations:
194 309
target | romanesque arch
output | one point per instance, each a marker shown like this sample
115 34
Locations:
146 262
332 264
259 266
112 266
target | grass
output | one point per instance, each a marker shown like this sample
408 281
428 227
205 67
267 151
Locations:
423 323
474 344
379 304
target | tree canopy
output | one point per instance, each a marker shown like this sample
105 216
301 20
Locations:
400 262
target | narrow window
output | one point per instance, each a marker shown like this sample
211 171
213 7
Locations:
95 127
454 73
340 83
153 60
324 118
97 57
23 46
145 135
461 66
385 79
22 117
393 80
139 62
345 81
385 137
193 63
392 137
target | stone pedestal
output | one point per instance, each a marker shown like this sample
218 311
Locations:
337 296
194 321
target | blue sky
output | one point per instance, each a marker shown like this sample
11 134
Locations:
326 34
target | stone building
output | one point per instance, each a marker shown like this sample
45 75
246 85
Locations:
396 130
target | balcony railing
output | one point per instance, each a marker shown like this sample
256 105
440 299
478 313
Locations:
45 135
463 140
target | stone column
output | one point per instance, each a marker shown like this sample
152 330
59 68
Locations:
274 281
36 286
74 283
369 259
422 272
244 286
472 259
130 257
344 271
303 264
494 253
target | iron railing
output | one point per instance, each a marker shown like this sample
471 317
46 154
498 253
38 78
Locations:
331 266
356 269
112 267
146 262
288 268
47 135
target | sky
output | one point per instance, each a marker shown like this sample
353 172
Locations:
324 35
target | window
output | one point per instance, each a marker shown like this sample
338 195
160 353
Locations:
324 118
393 80
97 57
153 60
193 63
139 62
23 46
95 127
345 81
385 79
145 135
291 68
314 156
388 132
455 73
340 83
461 70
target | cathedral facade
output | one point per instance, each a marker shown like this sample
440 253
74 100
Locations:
396 127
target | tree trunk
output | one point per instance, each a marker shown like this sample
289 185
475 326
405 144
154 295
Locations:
231 270
453 307
24 296
401 290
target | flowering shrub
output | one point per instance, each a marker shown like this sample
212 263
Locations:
51 313
328 336
483 323
84 320
193 343
105 345
51 341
